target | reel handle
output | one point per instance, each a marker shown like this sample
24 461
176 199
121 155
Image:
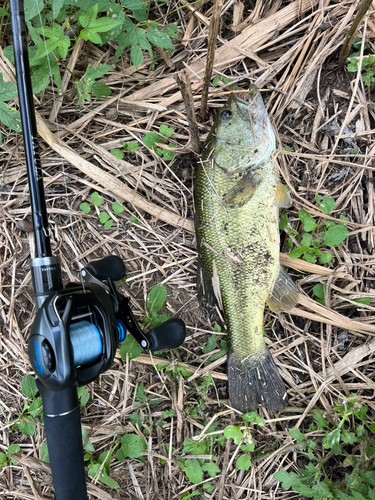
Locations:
169 335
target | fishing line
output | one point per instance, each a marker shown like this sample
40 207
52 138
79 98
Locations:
56 122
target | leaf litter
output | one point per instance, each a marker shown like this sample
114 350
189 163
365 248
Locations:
325 122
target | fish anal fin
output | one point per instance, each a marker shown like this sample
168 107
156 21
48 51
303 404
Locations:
255 381
282 197
284 293
241 192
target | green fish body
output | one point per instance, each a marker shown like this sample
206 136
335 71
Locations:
237 198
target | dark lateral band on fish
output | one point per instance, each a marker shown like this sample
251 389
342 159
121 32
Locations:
237 196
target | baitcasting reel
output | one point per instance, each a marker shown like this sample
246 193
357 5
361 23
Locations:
77 330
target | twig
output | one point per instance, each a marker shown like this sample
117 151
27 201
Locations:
187 95
212 37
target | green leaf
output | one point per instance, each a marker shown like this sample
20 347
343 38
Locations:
297 435
159 39
133 220
193 470
171 30
105 479
83 395
332 440
85 207
118 153
3 459
28 387
27 428
253 416
348 437
166 131
32 9
319 291
335 235
243 462
309 224
325 258
131 347
248 447
108 224
132 146
297 252
55 39
216 80
211 344
321 491
43 453
169 155
156 298
306 240
103 217
309 258
100 89
10 117
8 91
286 478
132 446
326 205
283 223
287 149
35 407
303 215
40 79
13 448
96 199
97 72
57 5
3 12
363 300
231 431
150 138
195 447
117 208
93 25
211 468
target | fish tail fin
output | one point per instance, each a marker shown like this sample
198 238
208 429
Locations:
255 381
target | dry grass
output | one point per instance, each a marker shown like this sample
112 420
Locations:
290 50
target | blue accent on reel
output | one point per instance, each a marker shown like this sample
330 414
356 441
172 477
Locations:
86 342
121 328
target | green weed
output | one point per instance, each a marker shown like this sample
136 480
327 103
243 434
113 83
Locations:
350 442
368 61
151 139
8 116
104 217
119 153
316 236
49 24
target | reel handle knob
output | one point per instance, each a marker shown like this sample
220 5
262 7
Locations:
169 335
111 267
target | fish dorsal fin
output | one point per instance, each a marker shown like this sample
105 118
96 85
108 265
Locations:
282 196
284 293
241 192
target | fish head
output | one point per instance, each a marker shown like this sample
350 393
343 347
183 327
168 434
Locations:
242 136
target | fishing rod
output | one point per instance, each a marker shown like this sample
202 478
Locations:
77 328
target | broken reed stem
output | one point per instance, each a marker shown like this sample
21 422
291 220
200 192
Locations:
212 37
352 32
185 87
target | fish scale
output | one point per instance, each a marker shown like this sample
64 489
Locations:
236 217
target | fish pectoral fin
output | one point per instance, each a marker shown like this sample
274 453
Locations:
283 197
284 293
241 192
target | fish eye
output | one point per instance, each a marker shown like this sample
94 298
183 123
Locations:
226 115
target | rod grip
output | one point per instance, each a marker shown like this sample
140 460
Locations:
64 442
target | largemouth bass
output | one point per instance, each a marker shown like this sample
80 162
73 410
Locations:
237 196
